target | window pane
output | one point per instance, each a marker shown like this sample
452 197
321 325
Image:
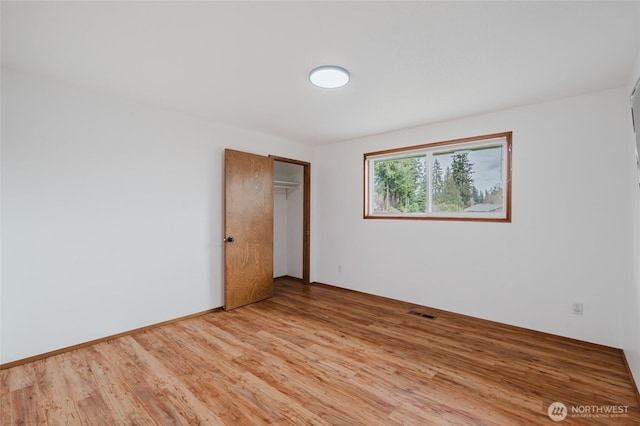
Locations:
469 180
399 185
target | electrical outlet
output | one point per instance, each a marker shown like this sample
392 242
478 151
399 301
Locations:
339 268
578 308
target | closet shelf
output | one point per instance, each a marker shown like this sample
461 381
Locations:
284 186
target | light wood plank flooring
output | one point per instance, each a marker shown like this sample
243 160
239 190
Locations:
323 356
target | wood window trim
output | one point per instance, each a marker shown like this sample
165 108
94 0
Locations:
508 136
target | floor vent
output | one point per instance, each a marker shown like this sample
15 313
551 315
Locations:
420 314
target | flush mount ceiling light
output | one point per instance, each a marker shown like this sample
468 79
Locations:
329 76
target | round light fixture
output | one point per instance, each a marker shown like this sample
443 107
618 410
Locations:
329 76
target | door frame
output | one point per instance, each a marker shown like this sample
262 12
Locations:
306 215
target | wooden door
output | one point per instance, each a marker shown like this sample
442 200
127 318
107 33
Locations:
248 223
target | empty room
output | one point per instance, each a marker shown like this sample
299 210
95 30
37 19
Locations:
314 212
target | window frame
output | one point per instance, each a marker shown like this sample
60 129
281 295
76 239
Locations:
438 147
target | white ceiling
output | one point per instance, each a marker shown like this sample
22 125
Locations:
247 63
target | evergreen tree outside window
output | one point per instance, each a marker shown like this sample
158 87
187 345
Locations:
463 179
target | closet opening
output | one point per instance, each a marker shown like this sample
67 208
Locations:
291 219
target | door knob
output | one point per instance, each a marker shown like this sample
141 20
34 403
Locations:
229 239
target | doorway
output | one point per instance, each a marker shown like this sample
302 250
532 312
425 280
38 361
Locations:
292 210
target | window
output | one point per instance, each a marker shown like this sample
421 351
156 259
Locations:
463 179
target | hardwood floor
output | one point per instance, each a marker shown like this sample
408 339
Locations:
324 356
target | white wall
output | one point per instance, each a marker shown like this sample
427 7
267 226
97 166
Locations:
632 295
111 213
569 239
